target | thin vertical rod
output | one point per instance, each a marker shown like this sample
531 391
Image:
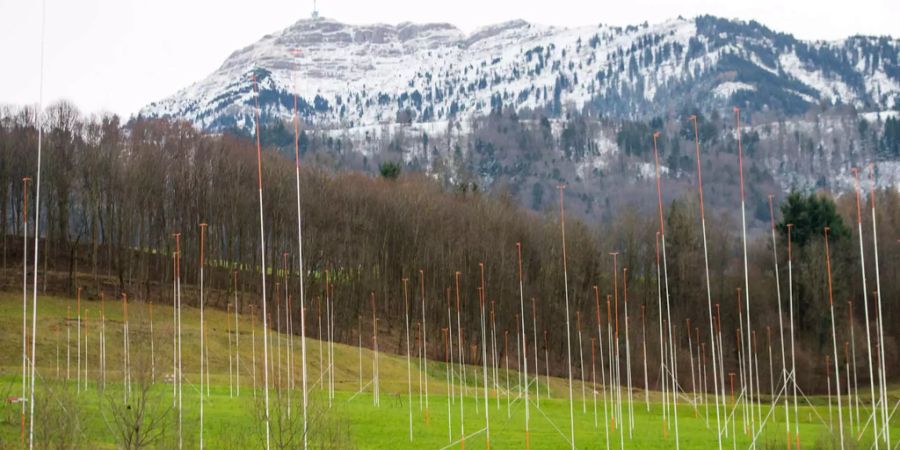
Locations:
628 354
487 415
202 343
424 340
462 364
862 267
784 376
602 369
662 231
562 225
262 263
302 273
791 318
25 307
749 397
408 356
536 368
880 320
37 233
524 347
837 372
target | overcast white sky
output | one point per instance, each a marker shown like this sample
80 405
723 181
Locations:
119 55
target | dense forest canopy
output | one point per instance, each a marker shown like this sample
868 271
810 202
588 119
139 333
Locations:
113 195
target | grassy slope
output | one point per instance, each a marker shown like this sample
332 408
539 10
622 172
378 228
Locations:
230 421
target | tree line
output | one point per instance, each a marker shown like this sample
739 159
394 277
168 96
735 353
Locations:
113 195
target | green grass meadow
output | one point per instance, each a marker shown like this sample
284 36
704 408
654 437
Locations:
231 421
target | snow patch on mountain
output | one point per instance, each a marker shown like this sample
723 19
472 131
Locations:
728 88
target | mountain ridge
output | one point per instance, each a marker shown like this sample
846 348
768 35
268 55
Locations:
362 75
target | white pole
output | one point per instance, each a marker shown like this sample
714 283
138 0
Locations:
408 358
830 413
708 289
487 414
374 352
733 405
290 327
302 272
837 372
546 363
152 349
662 345
644 348
230 361
722 368
86 350
253 345
331 340
771 370
862 266
84 378
359 349
125 376
791 318
202 343
206 366
102 341
418 334
594 377
518 356
450 370
691 359
237 339
462 364
506 362
321 342
880 322
610 352
536 369
424 341
580 361
737 113
701 358
78 340
37 233
849 386
68 342
662 232
524 346
180 377
616 352
262 263
449 367
276 359
628 355
328 331
25 307
756 375
853 361
742 364
784 375
602 370
562 225
496 363
174 333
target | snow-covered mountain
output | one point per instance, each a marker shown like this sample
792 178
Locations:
350 76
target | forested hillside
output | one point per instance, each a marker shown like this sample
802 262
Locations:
112 197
